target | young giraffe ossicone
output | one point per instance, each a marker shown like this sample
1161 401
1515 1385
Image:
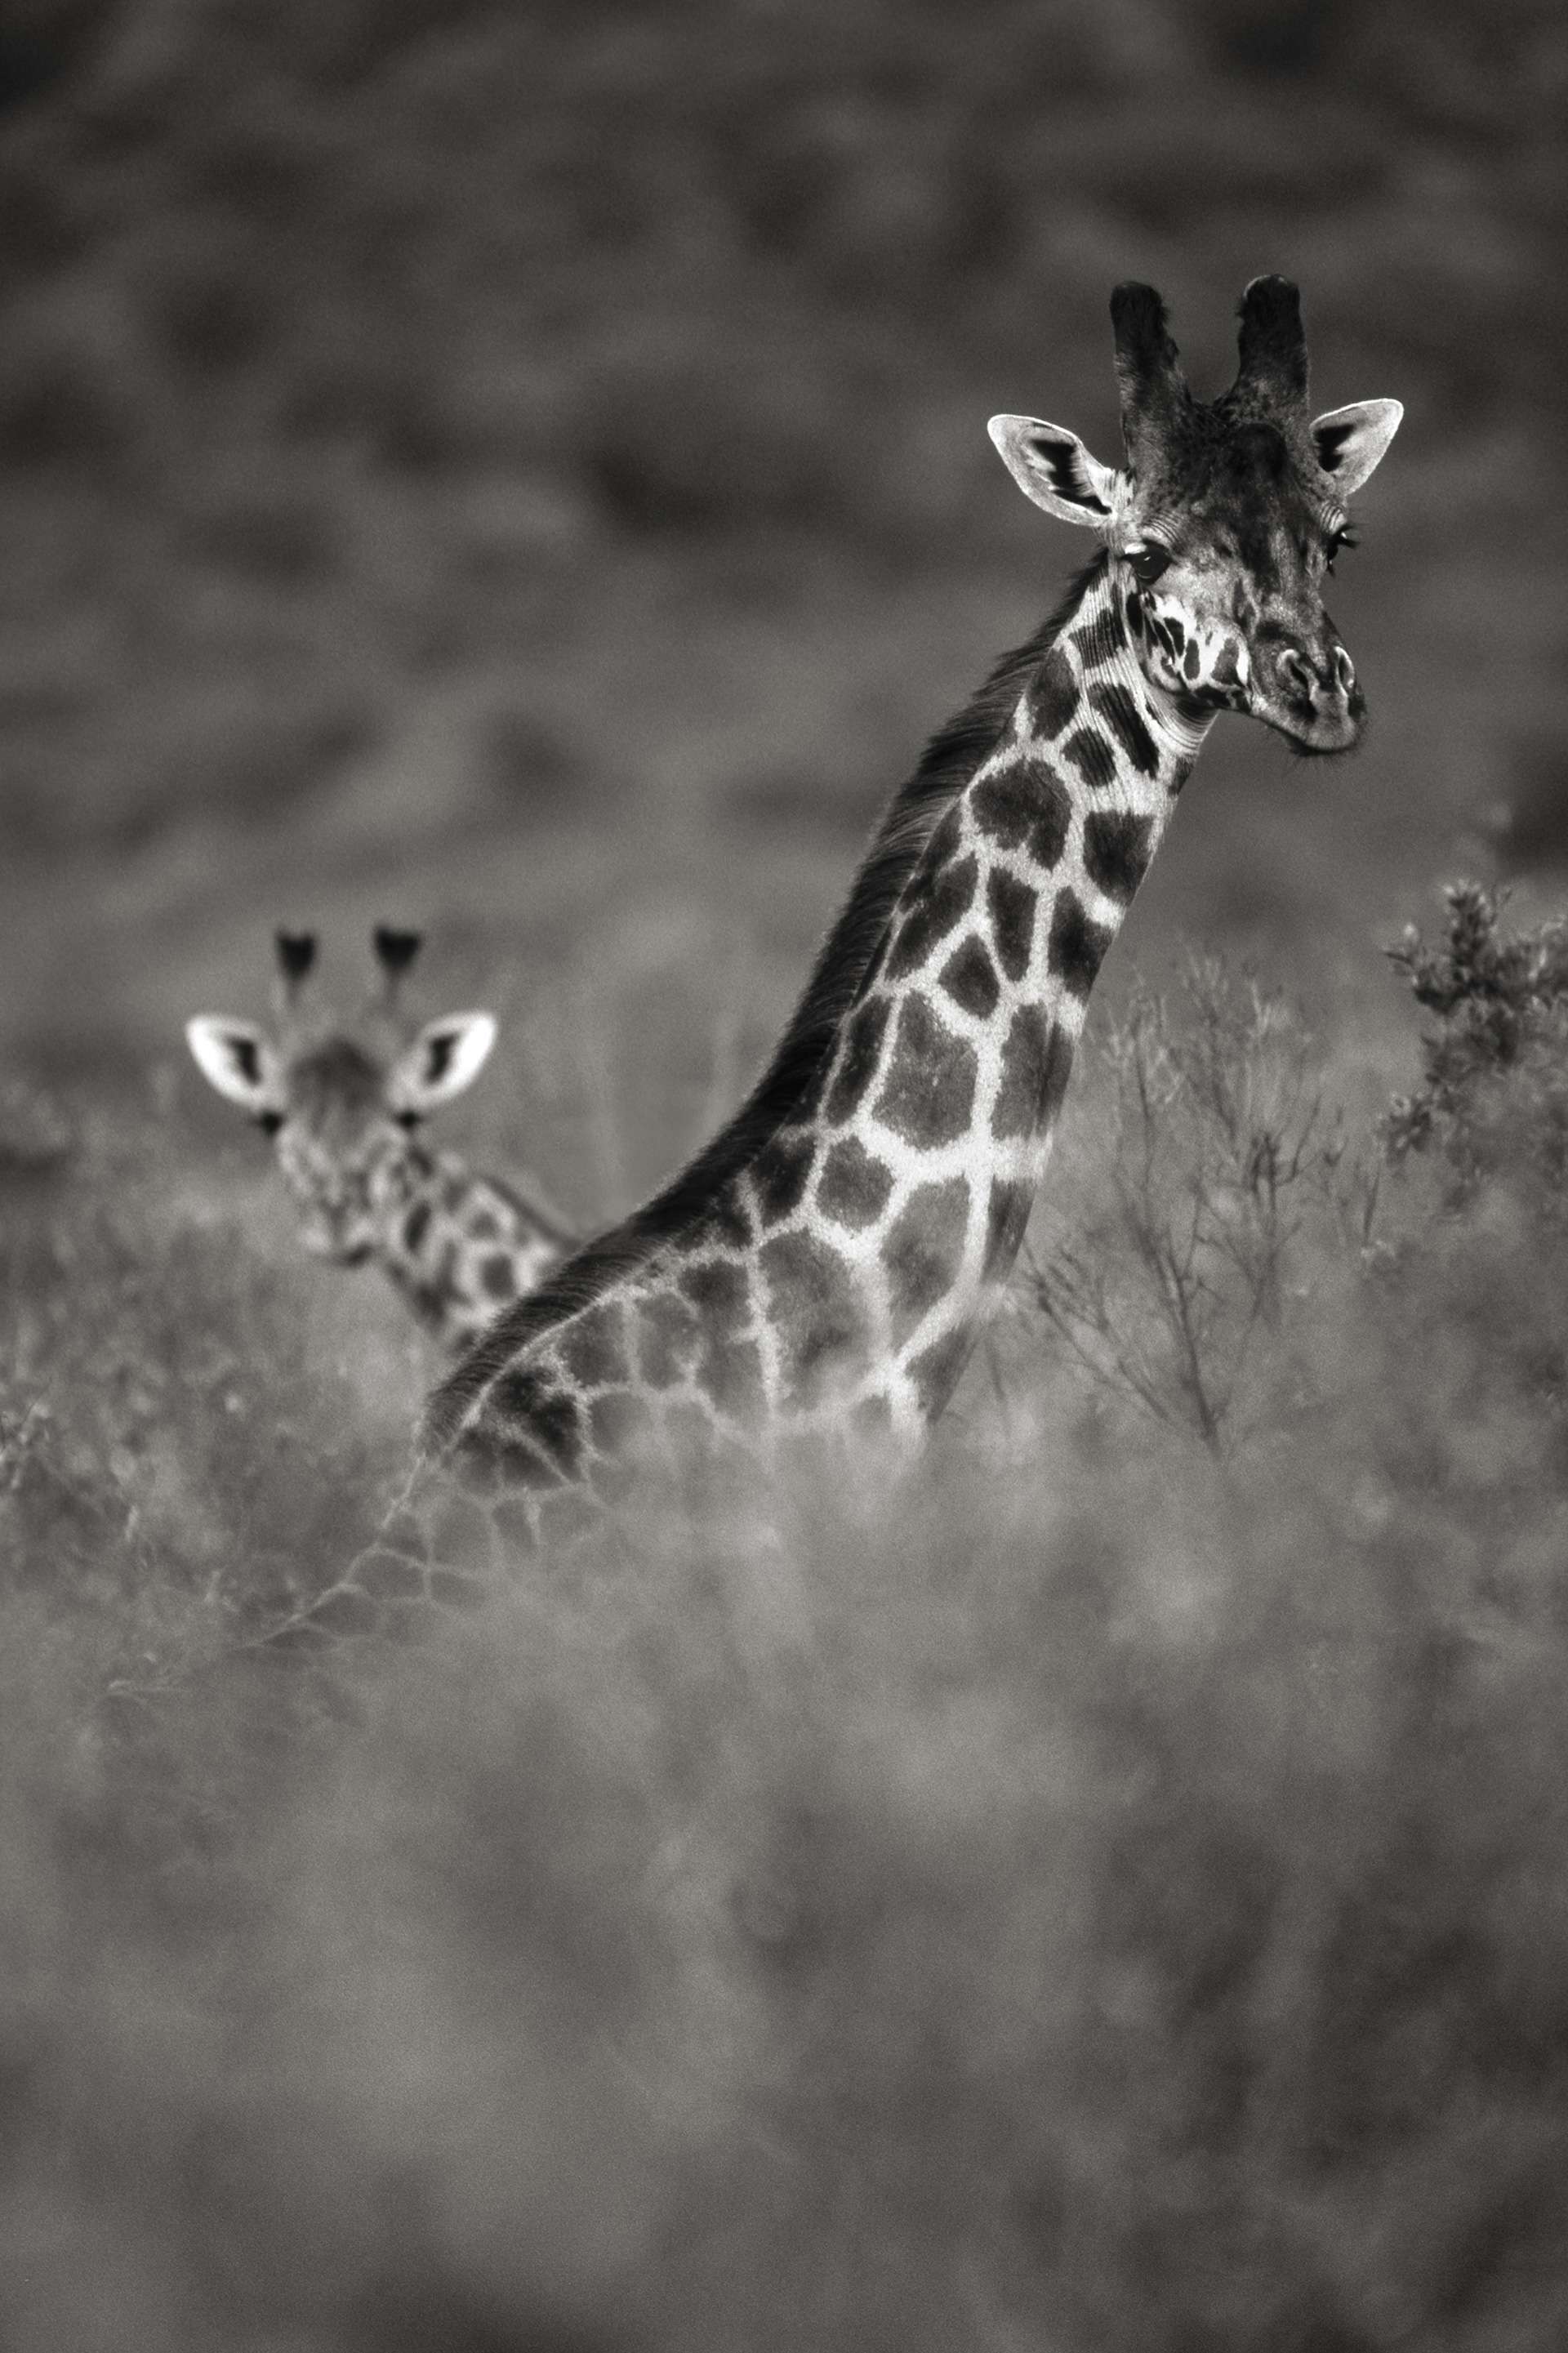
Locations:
343 1102
828 1260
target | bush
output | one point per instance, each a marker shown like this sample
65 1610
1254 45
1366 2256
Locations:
1493 1101
1207 1183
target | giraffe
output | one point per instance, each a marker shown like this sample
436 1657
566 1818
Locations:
828 1260
343 1110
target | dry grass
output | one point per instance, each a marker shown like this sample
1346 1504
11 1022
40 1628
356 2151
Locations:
1111 1897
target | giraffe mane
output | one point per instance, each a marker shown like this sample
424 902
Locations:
917 808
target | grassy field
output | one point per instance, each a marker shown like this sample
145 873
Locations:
1108 1895
522 470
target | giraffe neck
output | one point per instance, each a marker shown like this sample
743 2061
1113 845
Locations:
886 1219
829 1264
832 1251
461 1247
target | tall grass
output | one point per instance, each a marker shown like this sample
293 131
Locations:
1106 1893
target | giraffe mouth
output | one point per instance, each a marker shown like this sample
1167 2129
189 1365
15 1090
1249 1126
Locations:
1317 735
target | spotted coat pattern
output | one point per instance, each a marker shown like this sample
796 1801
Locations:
458 1245
839 1278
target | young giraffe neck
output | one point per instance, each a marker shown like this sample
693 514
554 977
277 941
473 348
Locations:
839 1272
461 1247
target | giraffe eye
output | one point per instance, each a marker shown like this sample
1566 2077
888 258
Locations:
1148 561
1342 539
408 1120
269 1121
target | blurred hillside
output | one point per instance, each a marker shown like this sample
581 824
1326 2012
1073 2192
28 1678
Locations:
524 467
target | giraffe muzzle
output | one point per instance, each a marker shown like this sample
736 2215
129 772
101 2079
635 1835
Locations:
1315 700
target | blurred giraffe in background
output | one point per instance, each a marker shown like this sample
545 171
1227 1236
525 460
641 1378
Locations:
343 1102
827 1262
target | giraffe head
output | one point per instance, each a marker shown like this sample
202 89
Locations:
342 1102
1226 520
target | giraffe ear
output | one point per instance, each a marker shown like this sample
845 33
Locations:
1052 466
1350 442
445 1057
240 1061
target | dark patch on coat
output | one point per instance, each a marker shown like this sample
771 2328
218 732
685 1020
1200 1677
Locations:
1026 807
932 916
854 1186
1093 758
816 1310
969 978
862 1045
484 1227
416 1226
615 1419
497 1277
452 1590
1122 716
668 1338
513 1521
461 1533
725 1225
935 1372
730 1373
346 1611
1116 851
387 1576
528 1401
922 1250
928 1096
1103 639
1037 1056
720 1289
593 1347
405 1534
1076 946
1006 1215
1053 695
1013 906
781 1173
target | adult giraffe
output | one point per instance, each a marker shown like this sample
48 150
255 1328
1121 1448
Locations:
828 1259
344 1104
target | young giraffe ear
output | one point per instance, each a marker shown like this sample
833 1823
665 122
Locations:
445 1057
1350 442
1052 466
239 1060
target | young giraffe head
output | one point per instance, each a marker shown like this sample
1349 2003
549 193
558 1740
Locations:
1225 519
342 1103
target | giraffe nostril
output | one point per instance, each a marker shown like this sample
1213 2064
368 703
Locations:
1295 676
1344 671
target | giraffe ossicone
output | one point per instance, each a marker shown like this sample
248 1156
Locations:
343 1102
828 1260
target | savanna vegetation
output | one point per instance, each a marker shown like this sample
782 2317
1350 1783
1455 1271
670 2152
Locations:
1110 1895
